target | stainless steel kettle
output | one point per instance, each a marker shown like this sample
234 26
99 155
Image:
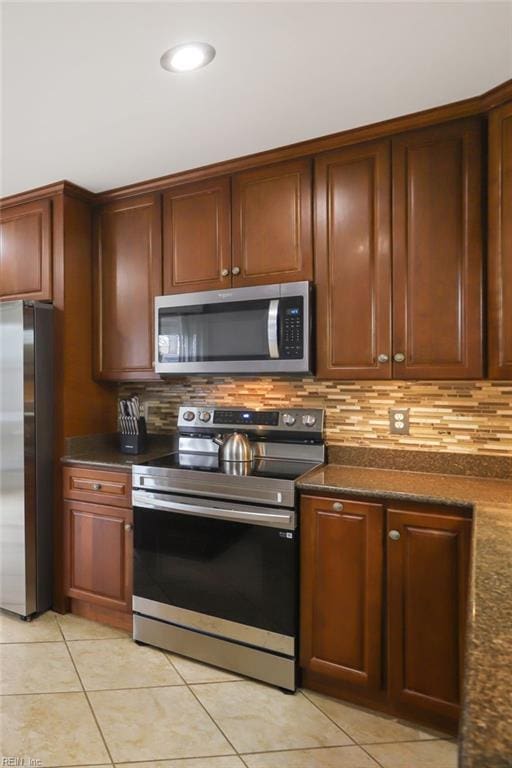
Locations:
234 447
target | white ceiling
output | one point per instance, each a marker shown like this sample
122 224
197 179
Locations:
84 97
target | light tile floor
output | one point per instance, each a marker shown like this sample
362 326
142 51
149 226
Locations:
77 693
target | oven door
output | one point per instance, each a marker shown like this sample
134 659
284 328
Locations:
264 329
227 571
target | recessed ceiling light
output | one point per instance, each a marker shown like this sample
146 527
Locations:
187 57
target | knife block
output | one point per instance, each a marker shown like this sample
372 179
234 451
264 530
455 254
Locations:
134 443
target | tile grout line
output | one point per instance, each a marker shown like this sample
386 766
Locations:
370 756
196 682
212 719
444 737
327 716
166 656
343 731
90 705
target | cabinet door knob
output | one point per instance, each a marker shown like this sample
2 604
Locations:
236 270
128 527
225 272
96 486
337 506
399 357
394 535
383 358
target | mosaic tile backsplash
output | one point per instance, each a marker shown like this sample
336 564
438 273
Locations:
464 417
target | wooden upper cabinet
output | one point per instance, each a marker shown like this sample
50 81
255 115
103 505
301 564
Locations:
26 251
128 276
341 591
437 252
500 243
427 597
197 236
272 239
353 262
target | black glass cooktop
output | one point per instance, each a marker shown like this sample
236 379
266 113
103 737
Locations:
260 467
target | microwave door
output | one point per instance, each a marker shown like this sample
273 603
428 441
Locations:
224 333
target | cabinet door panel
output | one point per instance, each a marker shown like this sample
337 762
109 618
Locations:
98 554
272 240
437 252
341 591
128 277
353 262
500 243
25 251
427 595
197 236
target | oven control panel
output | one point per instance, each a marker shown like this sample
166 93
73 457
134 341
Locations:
218 418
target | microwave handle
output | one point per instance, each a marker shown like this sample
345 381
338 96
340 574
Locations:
272 325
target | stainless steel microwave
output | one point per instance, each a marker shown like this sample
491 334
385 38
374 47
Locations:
260 330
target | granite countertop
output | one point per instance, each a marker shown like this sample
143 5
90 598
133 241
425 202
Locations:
486 729
102 451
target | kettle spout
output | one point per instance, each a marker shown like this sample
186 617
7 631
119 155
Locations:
218 440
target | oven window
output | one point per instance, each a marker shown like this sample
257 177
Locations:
214 332
235 571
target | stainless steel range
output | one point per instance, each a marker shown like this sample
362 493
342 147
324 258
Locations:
216 540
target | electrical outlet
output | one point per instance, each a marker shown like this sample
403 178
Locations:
399 421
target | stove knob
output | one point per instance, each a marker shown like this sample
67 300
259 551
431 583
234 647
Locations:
189 415
289 419
205 415
309 420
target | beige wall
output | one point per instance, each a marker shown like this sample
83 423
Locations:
468 417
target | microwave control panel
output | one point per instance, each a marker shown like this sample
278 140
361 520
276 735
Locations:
291 336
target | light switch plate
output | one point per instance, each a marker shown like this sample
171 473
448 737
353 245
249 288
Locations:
399 421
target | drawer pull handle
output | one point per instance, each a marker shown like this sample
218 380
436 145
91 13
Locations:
128 527
236 270
96 486
399 357
383 358
225 272
394 535
337 506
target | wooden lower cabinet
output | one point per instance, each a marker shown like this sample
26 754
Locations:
427 561
383 605
99 550
341 589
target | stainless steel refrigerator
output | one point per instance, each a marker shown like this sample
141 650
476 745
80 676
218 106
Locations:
26 456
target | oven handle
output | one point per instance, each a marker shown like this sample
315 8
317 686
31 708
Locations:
273 313
143 499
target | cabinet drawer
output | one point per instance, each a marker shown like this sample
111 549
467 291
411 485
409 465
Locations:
103 487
